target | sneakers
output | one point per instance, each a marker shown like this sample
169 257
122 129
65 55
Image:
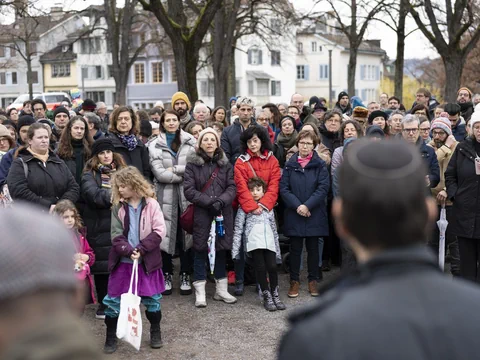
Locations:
276 300
313 287
168 284
238 288
100 314
268 303
185 286
293 291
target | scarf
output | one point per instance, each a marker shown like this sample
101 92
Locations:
106 173
129 141
304 161
287 141
42 158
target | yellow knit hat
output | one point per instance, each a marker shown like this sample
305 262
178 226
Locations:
180 96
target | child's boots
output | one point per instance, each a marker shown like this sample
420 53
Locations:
155 333
268 303
111 341
276 299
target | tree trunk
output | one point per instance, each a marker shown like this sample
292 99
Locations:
453 63
232 77
352 67
29 76
400 60
121 89
191 75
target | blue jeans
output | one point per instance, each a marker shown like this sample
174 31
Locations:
152 303
201 259
239 265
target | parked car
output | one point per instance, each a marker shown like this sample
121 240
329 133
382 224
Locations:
52 99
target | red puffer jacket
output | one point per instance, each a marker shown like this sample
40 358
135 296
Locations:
266 167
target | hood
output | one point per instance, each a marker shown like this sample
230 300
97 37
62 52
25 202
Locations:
195 158
356 101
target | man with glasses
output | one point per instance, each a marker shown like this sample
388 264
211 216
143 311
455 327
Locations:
411 134
329 134
39 108
424 97
444 144
464 99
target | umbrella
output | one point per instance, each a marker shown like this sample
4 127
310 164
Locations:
442 226
211 246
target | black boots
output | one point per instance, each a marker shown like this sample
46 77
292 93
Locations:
111 341
155 333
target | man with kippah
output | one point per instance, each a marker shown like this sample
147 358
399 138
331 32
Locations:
444 144
397 304
181 104
40 296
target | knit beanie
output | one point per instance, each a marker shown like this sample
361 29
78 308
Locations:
102 144
89 105
375 131
4 132
181 96
442 123
159 104
360 112
287 117
375 114
59 110
467 90
155 125
342 94
474 119
24 120
205 131
36 252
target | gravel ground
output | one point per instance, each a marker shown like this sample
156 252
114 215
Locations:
244 330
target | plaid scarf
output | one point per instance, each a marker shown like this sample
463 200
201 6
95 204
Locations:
106 173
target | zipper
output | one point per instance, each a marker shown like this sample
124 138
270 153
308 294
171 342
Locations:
139 231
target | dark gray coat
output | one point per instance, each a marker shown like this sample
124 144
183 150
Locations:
397 306
223 188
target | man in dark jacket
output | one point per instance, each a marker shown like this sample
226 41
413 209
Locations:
458 123
343 104
396 304
425 97
464 100
230 141
411 134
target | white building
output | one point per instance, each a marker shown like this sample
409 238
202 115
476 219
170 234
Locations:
312 69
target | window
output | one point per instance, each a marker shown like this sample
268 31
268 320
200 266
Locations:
276 88
302 72
3 80
300 48
255 57
314 46
250 87
34 77
2 51
32 47
174 71
110 71
141 38
14 78
60 70
207 88
323 72
262 87
13 52
369 72
276 25
98 72
157 72
275 58
90 46
96 95
139 73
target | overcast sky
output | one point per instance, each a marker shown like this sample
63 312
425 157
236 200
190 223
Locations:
416 45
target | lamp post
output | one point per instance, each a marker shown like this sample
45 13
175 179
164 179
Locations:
330 48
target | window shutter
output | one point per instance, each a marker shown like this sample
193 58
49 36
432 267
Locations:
203 88
364 95
362 72
250 87
378 72
260 60
249 57
307 72
272 88
279 57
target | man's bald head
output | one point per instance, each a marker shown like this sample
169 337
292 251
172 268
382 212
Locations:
297 100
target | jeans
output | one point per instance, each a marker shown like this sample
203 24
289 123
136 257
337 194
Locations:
239 265
320 253
199 265
152 303
296 247
469 257
265 261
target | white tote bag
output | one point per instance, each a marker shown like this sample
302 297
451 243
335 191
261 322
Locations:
129 326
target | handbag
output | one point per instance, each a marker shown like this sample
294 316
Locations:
186 219
129 327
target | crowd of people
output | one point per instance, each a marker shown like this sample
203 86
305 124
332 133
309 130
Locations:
262 175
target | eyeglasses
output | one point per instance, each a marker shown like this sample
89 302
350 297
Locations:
305 144
438 133
413 131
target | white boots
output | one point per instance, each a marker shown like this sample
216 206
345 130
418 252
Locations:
221 292
200 299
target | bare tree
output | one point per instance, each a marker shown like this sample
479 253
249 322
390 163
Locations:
186 34
454 31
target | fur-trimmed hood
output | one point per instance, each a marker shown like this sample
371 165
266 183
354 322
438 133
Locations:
195 158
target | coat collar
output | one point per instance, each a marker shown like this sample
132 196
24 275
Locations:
314 162
185 138
196 159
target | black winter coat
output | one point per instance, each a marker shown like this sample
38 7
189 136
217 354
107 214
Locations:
329 139
197 173
97 217
396 306
308 186
463 188
138 157
45 185
230 141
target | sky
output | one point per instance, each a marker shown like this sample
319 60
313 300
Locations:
416 45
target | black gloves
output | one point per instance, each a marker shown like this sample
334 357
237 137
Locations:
216 207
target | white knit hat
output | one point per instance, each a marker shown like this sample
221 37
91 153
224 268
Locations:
208 130
474 119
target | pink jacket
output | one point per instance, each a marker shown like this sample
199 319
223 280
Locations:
84 248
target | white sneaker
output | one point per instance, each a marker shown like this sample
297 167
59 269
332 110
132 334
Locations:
168 284
185 286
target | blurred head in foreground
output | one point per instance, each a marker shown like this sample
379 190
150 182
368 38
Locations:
401 217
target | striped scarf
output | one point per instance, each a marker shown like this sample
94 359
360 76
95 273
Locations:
106 173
